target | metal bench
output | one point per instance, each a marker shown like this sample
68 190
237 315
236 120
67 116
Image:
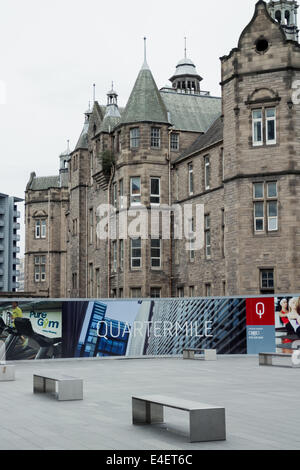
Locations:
266 359
209 354
63 387
206 422
7 373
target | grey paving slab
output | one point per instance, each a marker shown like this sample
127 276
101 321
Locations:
261 405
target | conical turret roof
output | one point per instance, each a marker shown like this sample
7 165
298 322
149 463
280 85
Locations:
145 103
83 139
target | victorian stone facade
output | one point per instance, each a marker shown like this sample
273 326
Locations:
237 156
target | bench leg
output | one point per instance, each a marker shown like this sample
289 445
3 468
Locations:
7 373
144 412
265 361
207 425
210 354
70 390
49 386
156 413
38 384
189 355
2 352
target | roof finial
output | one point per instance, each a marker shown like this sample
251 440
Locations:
185 47
112 85
68 147
145 66
94 92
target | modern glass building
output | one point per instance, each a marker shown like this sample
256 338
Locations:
208 323
102 336
9 237
166 327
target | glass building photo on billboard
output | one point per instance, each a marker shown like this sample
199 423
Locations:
162 327
101 336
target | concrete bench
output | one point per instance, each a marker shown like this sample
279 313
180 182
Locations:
7 373
266 359
63 387
209 354
206 422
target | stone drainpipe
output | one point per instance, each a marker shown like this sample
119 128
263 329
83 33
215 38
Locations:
49 242
170 203
112 173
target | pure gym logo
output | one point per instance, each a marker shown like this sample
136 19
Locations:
43 321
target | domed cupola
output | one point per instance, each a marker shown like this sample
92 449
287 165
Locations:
112 103
186 78
64 159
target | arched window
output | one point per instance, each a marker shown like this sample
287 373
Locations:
287 17
278 16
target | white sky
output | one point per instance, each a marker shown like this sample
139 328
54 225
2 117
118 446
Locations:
51 53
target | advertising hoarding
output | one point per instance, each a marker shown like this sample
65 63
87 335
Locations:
150 327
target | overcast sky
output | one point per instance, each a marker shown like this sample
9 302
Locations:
51 53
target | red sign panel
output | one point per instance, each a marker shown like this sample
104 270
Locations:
260 311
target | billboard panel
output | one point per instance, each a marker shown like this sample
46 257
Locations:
31 329
260 325
148 327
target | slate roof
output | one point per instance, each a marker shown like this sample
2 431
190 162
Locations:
83 139
212 136
109 123
145 103
47 182
111 119
194 113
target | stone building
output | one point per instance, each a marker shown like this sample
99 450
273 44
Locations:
237 156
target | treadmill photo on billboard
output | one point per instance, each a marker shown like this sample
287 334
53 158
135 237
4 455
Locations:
22 342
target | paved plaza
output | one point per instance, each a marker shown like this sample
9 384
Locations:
262 404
